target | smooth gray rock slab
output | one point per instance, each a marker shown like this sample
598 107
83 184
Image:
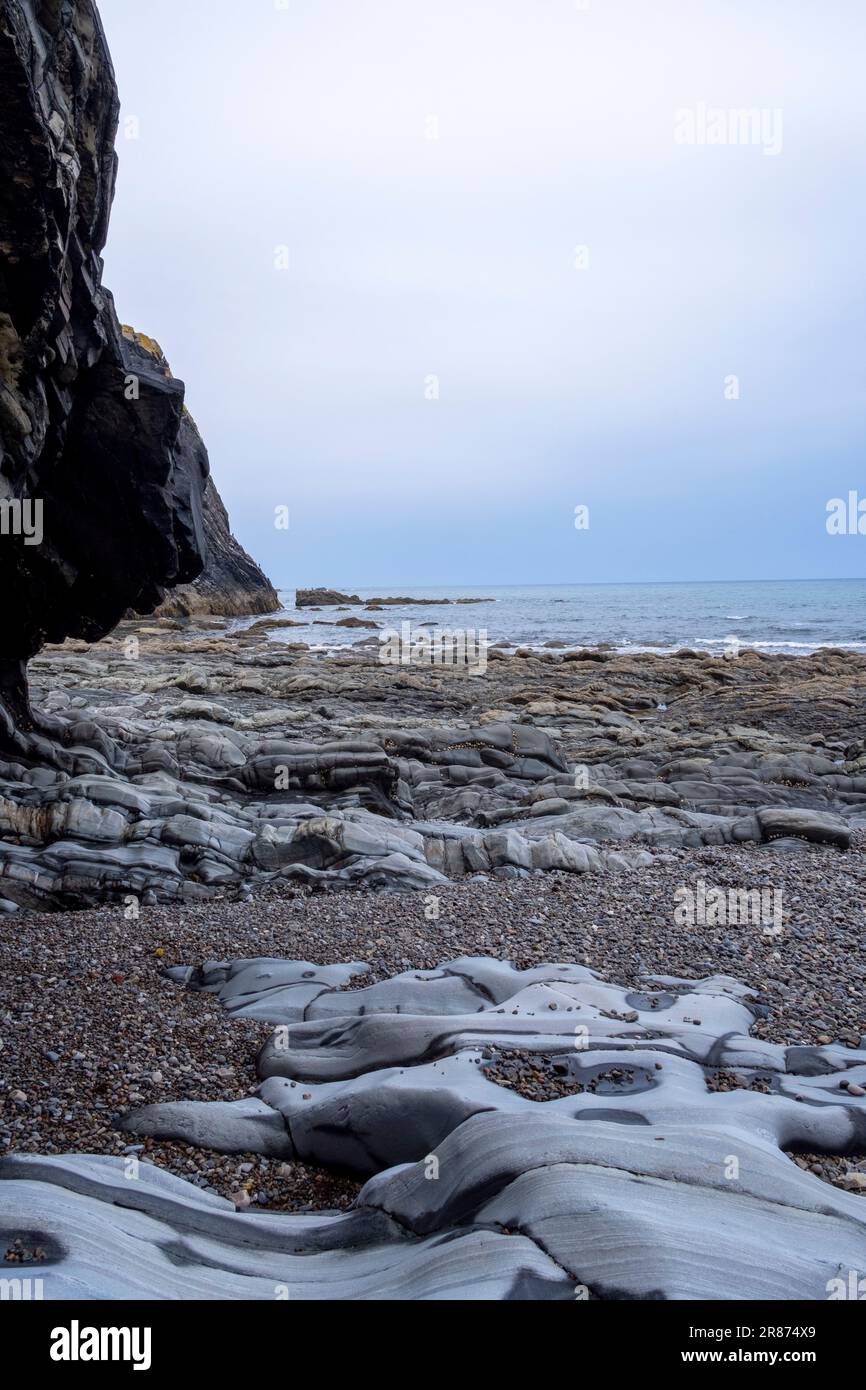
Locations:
649 1185
822 827
109 1237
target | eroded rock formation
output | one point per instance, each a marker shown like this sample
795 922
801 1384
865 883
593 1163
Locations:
604 1187
91 440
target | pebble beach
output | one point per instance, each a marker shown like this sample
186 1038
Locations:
90 1026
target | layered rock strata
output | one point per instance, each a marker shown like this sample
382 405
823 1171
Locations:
184 765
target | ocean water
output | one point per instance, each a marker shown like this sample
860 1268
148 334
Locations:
790 617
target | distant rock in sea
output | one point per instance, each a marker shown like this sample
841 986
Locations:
332 598
323 598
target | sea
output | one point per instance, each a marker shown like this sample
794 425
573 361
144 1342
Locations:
790 617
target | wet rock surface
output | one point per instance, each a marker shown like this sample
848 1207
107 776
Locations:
474 1190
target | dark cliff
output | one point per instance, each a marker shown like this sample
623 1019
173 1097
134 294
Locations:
88 428
231 583
102 478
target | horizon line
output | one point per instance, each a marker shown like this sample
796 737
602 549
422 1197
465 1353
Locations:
580 583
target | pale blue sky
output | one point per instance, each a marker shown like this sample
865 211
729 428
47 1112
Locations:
307 127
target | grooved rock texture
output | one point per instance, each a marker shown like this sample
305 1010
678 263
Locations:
629 1178
90 424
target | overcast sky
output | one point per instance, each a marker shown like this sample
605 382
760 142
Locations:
431 167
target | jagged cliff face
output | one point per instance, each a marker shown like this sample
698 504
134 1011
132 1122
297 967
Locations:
100 488
231 585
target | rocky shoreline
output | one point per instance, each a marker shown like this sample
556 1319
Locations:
741 776
175 762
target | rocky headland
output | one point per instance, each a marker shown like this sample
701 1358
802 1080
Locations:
103 476
90 425
231 584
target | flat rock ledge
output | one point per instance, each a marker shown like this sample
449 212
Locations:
638 1181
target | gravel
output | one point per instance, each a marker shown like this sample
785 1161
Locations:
89 1026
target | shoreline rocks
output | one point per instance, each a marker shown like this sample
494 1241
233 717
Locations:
188 763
